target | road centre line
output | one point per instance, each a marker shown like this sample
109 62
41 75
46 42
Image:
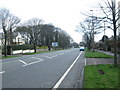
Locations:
65 74
2 72
33 62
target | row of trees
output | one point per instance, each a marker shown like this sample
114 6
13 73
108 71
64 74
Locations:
33 31
93 24
43 34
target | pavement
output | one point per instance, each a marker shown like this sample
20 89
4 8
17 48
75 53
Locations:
95 61
44 70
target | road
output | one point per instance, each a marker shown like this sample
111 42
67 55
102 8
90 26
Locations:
60 69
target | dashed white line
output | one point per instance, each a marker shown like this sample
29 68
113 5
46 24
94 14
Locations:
65 74
23 62
2 72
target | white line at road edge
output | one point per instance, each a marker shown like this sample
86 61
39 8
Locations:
65 74
2 72
85 61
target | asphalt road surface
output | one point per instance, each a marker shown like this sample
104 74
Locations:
59 69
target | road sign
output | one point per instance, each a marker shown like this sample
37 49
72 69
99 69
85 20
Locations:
54 44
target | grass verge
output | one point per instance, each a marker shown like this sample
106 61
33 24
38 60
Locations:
92 78
8 57
28 54
90 54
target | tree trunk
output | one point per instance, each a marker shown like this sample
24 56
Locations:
49 48
115 36
34 47
11 39
5 45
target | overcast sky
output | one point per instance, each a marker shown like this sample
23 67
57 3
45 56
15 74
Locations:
65 14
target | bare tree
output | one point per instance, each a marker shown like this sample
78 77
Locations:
12 22
90 27
31 29
48 34
111 12
4 15
9 22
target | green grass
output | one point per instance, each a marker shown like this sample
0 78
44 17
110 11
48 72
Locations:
8 57
90 54
92 78
43 47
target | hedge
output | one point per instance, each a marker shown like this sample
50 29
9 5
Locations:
22 47
17 47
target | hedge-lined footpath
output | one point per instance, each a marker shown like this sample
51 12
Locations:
102 75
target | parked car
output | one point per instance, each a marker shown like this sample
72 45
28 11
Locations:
82 49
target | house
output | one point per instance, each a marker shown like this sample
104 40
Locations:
17 40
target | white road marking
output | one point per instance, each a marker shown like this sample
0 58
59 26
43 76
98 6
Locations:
65 74
47 56
54 56
33 62
36 58
61 54
23 62
2 72
85 61
51 56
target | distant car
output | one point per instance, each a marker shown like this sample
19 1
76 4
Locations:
82 49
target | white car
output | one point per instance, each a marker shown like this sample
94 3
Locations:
82 49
